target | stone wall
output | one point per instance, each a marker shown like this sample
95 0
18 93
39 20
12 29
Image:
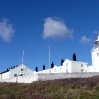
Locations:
52 76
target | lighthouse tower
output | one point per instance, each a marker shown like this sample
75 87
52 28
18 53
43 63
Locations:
95 55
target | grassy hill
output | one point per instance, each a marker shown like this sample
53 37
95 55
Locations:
75 88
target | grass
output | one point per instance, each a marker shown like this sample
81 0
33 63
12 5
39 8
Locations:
71 88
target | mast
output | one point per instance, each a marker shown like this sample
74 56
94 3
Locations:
23 57
48 46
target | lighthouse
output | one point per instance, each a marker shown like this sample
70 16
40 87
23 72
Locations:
95 55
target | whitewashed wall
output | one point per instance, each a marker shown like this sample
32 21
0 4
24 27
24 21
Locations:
95 60
79 66
49 76
52 76
22 79
67 66
27 79
5 75
17 70
90 68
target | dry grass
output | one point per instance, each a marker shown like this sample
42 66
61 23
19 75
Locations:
75 88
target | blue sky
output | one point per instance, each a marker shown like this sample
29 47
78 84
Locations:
28 24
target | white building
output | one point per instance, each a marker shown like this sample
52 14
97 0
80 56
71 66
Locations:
21 70
68 67
95 56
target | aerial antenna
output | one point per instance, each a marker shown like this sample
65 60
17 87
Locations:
23 57
49 47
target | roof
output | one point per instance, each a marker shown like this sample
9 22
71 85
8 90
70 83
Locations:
13 67
4 71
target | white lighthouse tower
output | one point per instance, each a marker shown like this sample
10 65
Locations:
95 55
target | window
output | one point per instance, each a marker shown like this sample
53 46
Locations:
49 71
97 54
66 70
21 69
82 70
81 65
60 69
21 74
66 64
15 75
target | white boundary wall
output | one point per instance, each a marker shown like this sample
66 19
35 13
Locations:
49 76
22 79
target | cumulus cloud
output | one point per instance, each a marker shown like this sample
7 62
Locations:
6 30
85 40
56 28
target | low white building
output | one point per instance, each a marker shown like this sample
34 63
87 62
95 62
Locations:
4 75
68 67
21 70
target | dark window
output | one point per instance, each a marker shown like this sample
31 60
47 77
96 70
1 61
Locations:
60 69
66 64
97 54
15 75
21 74
81 65
67 70
82 70
21 69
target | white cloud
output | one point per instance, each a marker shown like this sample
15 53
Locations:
55 28
85 40
6 30
96 32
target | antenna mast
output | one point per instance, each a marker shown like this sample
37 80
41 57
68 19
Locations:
48 46
23 57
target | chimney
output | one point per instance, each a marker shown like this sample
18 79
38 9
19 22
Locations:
7 69
62 61
36 69
74 57
52 65
43 67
